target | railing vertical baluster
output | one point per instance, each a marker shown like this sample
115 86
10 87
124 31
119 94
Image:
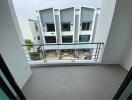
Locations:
98 51
77 53
74 52
59 51
44 54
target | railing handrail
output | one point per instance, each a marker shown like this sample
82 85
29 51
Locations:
61 44
42 49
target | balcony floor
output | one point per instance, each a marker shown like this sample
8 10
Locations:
96 82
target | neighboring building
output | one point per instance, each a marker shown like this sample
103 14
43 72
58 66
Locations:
25 28
36 31
61 29
30 30
69 25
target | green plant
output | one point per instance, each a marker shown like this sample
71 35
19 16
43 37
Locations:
34 55
29 43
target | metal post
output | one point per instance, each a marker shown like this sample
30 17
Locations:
44 54
96 53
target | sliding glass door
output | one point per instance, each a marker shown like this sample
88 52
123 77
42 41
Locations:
9 90
3 96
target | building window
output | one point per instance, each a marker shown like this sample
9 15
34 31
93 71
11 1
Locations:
67 39
65 26
38 37
50 39
36 27
86 26
50 27
84 38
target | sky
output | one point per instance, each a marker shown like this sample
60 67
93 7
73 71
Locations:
27 8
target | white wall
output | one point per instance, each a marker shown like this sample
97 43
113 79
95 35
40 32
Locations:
10 45
106 15
117 51
25 28
126 60
104 23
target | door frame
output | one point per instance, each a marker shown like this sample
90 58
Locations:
124 85
11 80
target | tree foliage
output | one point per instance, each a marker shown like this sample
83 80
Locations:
29 43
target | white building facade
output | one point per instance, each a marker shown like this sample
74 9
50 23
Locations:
69 25
30 30
65 34
68 33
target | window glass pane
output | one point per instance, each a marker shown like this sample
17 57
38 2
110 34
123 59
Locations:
36 27
66 39
68 54
84 38
3 96
38 37
50 39
52 54
85 54
65 27
86 26
50 27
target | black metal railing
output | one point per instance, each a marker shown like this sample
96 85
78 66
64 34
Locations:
78 51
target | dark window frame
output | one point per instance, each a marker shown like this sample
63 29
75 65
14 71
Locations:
86 26
36 27
50 27
64 25
89 36
66 40
52 40
38 37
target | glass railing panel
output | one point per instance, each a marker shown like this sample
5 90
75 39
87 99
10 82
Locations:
52 52
67 52
57 52
85 54
34 52
86 51
52 55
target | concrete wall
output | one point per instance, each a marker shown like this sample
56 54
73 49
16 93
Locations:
67 15
126 60
76 30
47 16
87 14
106 15
10 45
119 46
95 26
58 28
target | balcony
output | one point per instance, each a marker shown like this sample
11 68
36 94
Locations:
64 53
